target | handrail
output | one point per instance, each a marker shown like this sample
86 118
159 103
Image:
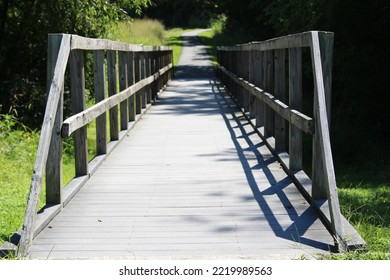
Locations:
143 72
251 71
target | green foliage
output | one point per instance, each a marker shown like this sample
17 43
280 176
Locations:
24 27
183 13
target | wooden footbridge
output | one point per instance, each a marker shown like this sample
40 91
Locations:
201 165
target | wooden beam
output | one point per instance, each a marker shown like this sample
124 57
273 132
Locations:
77 75
295 102
112 90
100 94
324 143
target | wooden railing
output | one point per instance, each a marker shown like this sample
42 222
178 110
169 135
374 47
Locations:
255 74
143 71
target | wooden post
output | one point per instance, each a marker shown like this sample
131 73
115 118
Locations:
54 168
137 75
112 89
143 76
56 87
78 105
148 90
130 81
251 75
319 188
122 86
100 93
268 86
259 83
295 102
280 93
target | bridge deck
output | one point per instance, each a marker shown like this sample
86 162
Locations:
191 180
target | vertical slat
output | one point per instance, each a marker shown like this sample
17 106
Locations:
112 89
130 81
279 90
100 93
295 102
143 76
76 65
54 168
148 72
251 74
318 177
259 83
137 73
122 86
268 85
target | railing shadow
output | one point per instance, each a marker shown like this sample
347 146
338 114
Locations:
300 222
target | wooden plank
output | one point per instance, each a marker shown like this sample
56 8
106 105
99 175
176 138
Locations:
280 94
295 102
318 176
290 41
79 42
100 95
112 90
325 148
43 147
130 81
137 78
268 71
54 168
122 86
76 65
296 118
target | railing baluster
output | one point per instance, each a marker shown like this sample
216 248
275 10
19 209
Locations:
100 94
77 75
268 85
112 89
130 81
295 102
280 92
138 98
122 86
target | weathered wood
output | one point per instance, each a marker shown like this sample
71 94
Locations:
137 78
54 168
84 43
100 94
280 93
258 81
76 121
295 117
44 146
122 86
290 41
76 65
130 81
318 177
112 89
268 71
295 102
322 128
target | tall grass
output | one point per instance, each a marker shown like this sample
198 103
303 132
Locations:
140 31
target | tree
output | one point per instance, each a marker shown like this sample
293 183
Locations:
24 27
